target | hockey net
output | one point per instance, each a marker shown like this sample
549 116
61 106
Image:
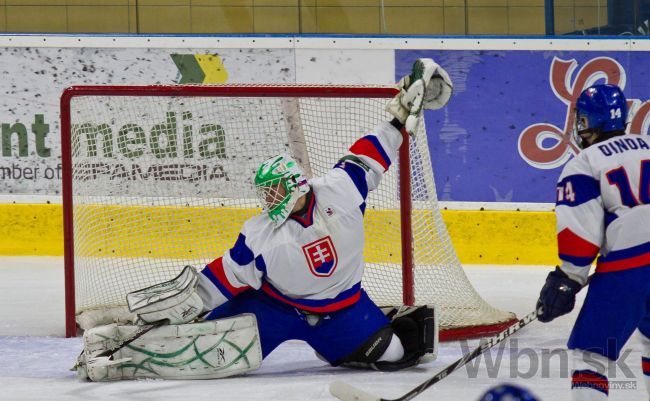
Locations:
158 177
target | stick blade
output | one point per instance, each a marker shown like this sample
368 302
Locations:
346 392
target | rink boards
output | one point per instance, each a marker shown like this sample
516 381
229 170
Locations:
479 236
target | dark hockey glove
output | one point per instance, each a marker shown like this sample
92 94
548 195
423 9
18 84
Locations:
558 296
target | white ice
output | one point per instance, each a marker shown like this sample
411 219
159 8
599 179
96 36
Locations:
35 356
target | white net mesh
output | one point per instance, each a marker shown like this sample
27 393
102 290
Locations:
160 182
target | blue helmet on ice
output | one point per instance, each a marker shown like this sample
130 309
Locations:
600 109
508 392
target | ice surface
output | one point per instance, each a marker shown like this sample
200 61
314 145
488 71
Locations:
35 358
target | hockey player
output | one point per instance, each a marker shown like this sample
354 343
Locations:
297 267
603 206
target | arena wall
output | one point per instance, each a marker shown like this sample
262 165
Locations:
497 149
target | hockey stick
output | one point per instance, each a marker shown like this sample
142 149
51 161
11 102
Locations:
346 392
142 330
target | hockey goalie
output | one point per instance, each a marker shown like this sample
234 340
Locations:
294 272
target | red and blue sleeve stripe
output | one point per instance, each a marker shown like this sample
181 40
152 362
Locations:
645 365
583 189
370 146
347 298
357 174
215 272
575 249
590 379
624 259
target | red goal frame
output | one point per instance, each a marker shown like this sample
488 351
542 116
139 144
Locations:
237 91
223 91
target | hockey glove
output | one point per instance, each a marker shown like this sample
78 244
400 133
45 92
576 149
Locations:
558 296
428 86
175 300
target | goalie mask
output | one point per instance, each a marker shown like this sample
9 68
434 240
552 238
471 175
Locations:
279 183
600 113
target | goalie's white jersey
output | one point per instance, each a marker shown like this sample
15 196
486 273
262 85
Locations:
603 206
314 261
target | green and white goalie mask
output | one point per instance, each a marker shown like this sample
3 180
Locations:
280 182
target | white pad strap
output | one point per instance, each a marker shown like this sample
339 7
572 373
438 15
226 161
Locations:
206 350
175 300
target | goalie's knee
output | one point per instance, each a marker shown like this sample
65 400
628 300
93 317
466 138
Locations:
383 351
411 336
373 349
417 328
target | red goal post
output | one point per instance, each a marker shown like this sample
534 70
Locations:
118 204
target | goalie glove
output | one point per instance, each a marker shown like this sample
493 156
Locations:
175 300
428 86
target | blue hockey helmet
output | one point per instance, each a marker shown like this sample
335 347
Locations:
600 109
508 392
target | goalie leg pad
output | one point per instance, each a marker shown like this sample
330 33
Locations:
206 350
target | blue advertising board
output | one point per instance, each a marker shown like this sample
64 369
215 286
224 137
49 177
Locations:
505 134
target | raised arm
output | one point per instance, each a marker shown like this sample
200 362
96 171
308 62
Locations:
427 87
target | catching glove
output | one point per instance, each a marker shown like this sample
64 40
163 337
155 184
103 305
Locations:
428 86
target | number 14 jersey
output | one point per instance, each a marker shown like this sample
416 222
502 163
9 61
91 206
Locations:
603 206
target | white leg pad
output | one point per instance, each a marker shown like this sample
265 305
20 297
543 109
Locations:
206 350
